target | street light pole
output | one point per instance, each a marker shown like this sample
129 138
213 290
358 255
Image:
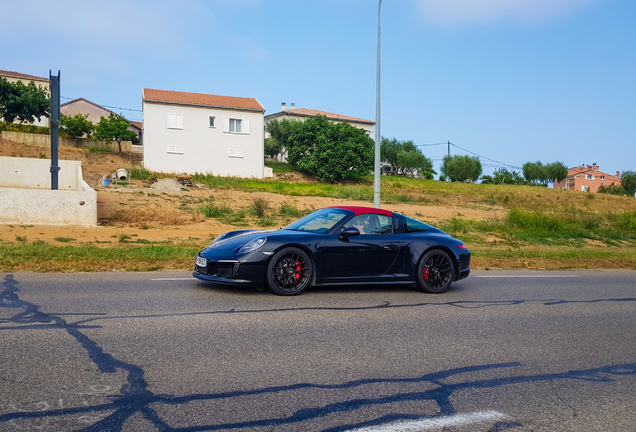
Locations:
376 172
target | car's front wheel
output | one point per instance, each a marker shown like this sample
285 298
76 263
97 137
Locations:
289 272
435 272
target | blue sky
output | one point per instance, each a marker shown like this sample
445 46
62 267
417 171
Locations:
513 80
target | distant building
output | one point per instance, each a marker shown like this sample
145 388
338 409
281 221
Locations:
304 113
95 112
587 178
26 79
202 133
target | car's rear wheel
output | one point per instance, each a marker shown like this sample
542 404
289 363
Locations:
435 272
289 272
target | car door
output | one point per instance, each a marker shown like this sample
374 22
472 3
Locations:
368 255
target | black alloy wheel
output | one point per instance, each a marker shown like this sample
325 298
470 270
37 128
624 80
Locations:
289 272
436 272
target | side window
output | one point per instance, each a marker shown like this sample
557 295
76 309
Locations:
372 224
413 225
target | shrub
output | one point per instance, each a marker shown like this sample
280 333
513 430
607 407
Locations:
24 128
260 206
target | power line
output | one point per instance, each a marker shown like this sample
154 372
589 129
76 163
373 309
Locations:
484 157
108 106
428 145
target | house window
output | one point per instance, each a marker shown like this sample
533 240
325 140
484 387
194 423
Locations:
175 149
589 177
602 177
175 121
212 124
236 153
235 125
585 188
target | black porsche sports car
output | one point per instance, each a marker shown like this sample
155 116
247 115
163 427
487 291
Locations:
335 246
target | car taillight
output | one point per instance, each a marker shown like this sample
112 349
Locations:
462 246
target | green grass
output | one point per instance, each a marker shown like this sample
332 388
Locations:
64 239
280 167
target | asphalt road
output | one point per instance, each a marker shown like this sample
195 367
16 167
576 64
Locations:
520 351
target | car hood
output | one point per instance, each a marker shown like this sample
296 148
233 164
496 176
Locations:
235 239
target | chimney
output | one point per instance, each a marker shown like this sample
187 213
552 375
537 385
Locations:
594 166
618 174
293 105
589 167
282 106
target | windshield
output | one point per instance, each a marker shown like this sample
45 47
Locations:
320 221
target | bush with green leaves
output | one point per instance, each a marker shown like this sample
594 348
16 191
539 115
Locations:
76 126
272 147
461 168
330 151
23 103
612 189
24 128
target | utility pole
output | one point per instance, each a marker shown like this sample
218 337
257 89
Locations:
449 148
378 138
54 84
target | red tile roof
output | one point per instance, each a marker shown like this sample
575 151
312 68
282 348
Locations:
21 75
137 124
202 99
306 112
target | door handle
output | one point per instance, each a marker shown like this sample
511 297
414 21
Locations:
390 247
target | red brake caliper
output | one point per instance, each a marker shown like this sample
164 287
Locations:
297 270
425 273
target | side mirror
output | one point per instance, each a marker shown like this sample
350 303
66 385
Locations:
349 232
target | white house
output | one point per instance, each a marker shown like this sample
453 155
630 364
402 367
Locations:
189 133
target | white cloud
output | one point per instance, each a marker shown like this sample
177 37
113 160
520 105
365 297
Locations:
459 12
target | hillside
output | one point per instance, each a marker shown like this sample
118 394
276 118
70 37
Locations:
505 226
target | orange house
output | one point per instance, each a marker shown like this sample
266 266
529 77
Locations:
587 178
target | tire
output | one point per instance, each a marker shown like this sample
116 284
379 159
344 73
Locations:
289 272
435 272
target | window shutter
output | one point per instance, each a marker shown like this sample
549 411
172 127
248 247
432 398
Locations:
179 121
171 121
246 127
226 125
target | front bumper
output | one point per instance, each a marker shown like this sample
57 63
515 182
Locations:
232 272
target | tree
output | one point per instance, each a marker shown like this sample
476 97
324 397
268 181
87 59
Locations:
404 156
537 173
503 176
272 147
114 128
280 130
461 168
628 182
329 151
612 189
413 160
23 103
76 126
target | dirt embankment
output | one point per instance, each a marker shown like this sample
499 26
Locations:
142 213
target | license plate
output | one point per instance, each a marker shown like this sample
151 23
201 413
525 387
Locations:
201 262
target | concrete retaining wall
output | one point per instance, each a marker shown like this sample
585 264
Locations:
45 141
26 198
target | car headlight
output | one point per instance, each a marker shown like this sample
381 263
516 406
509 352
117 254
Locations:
253 245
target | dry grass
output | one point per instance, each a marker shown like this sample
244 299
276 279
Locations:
154 216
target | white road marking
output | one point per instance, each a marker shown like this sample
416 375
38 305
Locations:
173 279
434 423
528 276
